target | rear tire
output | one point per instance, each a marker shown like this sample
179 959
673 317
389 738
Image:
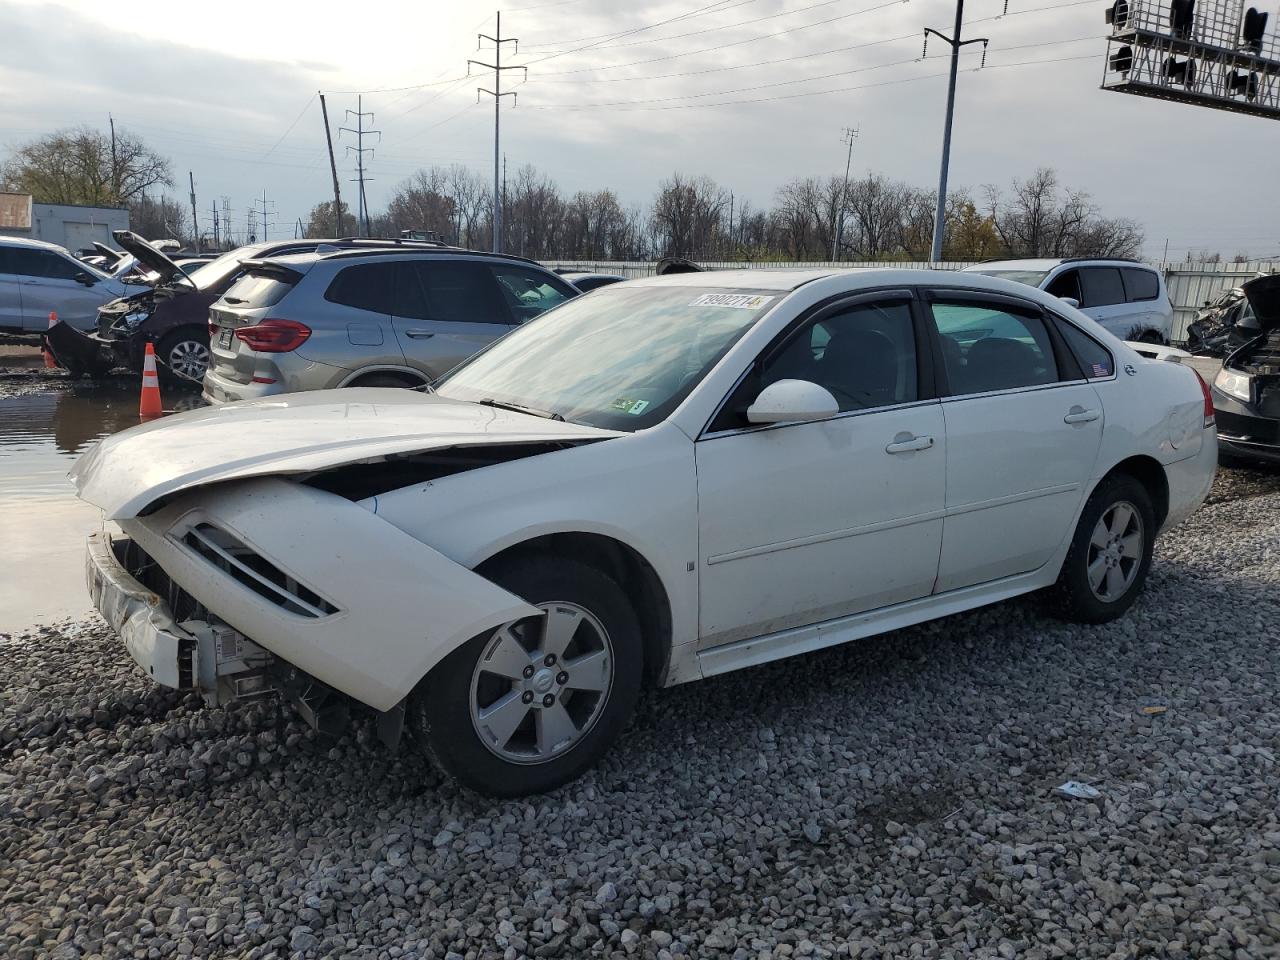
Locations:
1110 555
530 706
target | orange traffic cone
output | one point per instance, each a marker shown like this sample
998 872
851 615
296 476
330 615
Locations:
150 407
49 362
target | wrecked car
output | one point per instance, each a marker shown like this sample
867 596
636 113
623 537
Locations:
1246 391
172 313
666 480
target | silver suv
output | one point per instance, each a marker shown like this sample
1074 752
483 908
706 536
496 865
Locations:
344 318
37 278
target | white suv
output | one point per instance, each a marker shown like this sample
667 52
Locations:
1128 298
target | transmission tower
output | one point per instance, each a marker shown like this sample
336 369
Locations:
360 150
227 235
497 95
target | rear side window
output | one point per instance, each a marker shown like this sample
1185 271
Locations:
38 263
1140 284
1102 286
1065 285
365 286
448 291
993 347
1093 357
530 292
257 290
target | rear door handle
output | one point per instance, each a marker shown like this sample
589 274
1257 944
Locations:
420 334
1081 415
909 445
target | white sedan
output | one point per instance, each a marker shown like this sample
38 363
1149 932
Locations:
669 479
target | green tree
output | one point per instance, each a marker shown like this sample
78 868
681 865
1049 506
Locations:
82 165
321 223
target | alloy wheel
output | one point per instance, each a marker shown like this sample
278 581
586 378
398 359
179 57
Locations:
542 683
188 359
1115 551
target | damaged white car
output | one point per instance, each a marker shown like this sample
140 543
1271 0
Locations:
672 478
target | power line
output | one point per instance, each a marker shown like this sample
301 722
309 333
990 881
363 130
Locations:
730 26
808 93
721 7
289 129
779 33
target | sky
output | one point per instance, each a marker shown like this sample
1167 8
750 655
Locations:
750 92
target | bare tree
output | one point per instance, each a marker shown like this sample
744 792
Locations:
163 218
80 166
688 214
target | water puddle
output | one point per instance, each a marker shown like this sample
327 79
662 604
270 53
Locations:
44 427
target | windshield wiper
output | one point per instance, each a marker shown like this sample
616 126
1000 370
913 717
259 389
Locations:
503 405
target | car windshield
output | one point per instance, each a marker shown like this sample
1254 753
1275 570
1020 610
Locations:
1031 278
622 359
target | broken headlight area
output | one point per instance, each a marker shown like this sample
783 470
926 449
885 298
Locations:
1252 375
214 659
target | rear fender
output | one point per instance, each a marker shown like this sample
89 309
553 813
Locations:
401 605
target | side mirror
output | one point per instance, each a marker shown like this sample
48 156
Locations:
85 279
792 401
1070 302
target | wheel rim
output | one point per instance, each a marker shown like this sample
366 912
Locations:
1115 551
189 358
541 683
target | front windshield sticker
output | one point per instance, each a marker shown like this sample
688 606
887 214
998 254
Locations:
633 407
742 301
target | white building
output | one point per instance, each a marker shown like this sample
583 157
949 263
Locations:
71 226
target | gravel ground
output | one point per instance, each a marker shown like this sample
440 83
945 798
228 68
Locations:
894 798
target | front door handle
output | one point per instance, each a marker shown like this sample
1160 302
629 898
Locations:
420 334
1081 415
909 444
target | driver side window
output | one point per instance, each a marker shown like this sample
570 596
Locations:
864 355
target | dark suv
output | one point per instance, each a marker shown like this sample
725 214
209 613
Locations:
367 318
173 313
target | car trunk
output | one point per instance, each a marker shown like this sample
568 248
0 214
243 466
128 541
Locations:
246 304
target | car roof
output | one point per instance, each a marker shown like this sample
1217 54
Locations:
1048 263
32 243
757 279
308 258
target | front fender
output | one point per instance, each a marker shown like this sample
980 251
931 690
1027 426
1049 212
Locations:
401 606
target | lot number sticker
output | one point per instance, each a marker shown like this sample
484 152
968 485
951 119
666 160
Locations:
741 301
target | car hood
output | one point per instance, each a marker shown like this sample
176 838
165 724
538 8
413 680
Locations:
294 433
147 255
1263 294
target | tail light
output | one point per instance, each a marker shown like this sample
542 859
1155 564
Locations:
274 336
213 329
1209 419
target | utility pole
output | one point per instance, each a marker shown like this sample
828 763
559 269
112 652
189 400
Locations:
195 227
251 225
217 244
360 150
115 163
732 245
504 187
497 95
266 213
333 169
850 134
955 43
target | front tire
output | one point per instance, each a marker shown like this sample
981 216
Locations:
1110 555
184 355
531 705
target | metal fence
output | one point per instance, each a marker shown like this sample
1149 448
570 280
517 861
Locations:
1190 285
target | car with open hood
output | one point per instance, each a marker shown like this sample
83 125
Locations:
665 480
171 312
1246 391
